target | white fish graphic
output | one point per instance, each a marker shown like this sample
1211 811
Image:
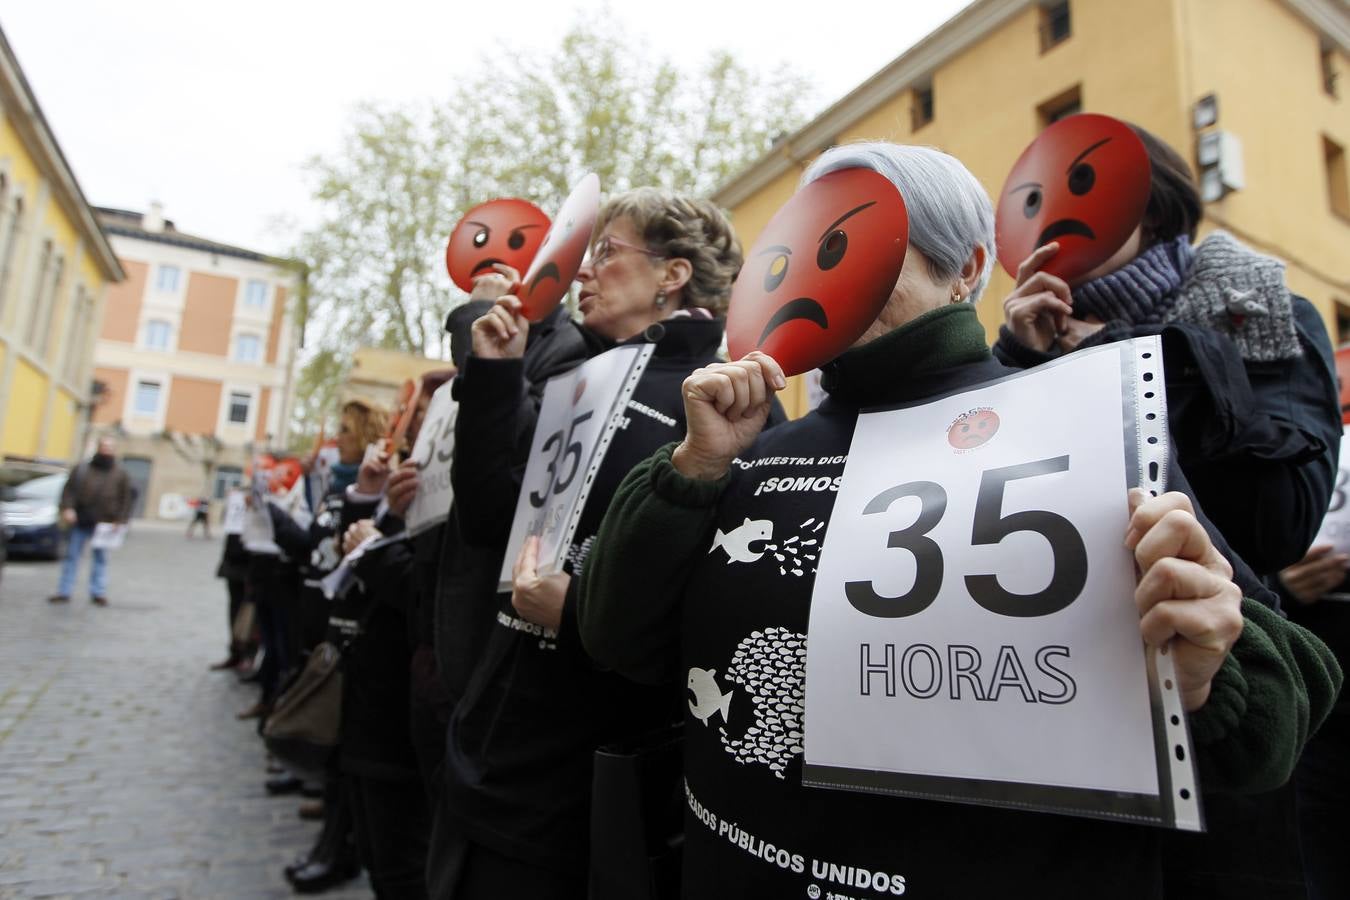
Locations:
737 542
708 697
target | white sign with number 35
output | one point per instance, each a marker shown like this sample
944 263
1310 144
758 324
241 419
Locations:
973 629
578 416
433 453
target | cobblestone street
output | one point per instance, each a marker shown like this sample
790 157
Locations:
123 771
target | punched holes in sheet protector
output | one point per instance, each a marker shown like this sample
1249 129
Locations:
1151 423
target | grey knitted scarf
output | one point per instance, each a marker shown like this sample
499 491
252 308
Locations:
1219 284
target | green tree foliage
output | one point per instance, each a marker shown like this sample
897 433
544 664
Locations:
523 125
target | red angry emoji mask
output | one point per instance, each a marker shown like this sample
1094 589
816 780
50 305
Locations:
550 276
1084 182
821 271
505 231
1343 379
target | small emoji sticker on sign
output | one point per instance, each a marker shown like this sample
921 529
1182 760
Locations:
1084 183
507 231
973 429
821 271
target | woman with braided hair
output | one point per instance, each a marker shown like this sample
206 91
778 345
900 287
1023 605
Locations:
535 708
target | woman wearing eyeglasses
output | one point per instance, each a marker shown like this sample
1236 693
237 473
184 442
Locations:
521 742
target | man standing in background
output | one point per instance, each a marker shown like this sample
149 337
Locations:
96 491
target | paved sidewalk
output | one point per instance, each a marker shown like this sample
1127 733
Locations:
123 772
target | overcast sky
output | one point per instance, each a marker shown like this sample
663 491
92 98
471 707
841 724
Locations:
211 108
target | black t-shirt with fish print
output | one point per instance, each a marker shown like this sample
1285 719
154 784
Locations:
752 828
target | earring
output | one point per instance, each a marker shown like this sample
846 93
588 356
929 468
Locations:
956 295
660 299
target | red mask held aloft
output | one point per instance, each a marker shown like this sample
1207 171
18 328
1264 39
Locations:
821 271
551 274
1084 182
1343 377
505 231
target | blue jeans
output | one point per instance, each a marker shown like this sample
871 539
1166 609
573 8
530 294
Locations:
98 575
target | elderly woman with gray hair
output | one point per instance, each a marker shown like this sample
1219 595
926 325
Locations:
662 600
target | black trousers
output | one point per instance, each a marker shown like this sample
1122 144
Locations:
236 587
277 658
1323 782
392 831
470 871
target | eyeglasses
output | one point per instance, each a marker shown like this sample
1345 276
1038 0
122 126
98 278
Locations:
605 248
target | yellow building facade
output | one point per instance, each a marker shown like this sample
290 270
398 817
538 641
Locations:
54 265
983 85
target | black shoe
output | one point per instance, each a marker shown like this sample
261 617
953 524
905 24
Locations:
312 791
301 860
320 876
285 783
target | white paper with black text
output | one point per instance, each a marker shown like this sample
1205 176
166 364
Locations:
973 633
580 412
108 536
1335 528
236 511
433 452
258 536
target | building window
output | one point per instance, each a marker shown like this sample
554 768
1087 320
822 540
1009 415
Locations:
1338 189
255 294
1056 24
50 298
146 401
76 351
39 285
1061 106
227 478
157 333
921 113
1329 70
239 404
247 348
11 240
166 279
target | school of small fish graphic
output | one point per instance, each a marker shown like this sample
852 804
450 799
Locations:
770 666
798 554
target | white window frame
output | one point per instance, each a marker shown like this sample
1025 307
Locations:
136 398
162 268
230 394
238 431
136 422
262 294
168 344
238 357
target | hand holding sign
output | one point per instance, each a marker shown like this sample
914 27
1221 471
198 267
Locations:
358 532
1317 574
370 478
726 406
402 488
1185 591
538 598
